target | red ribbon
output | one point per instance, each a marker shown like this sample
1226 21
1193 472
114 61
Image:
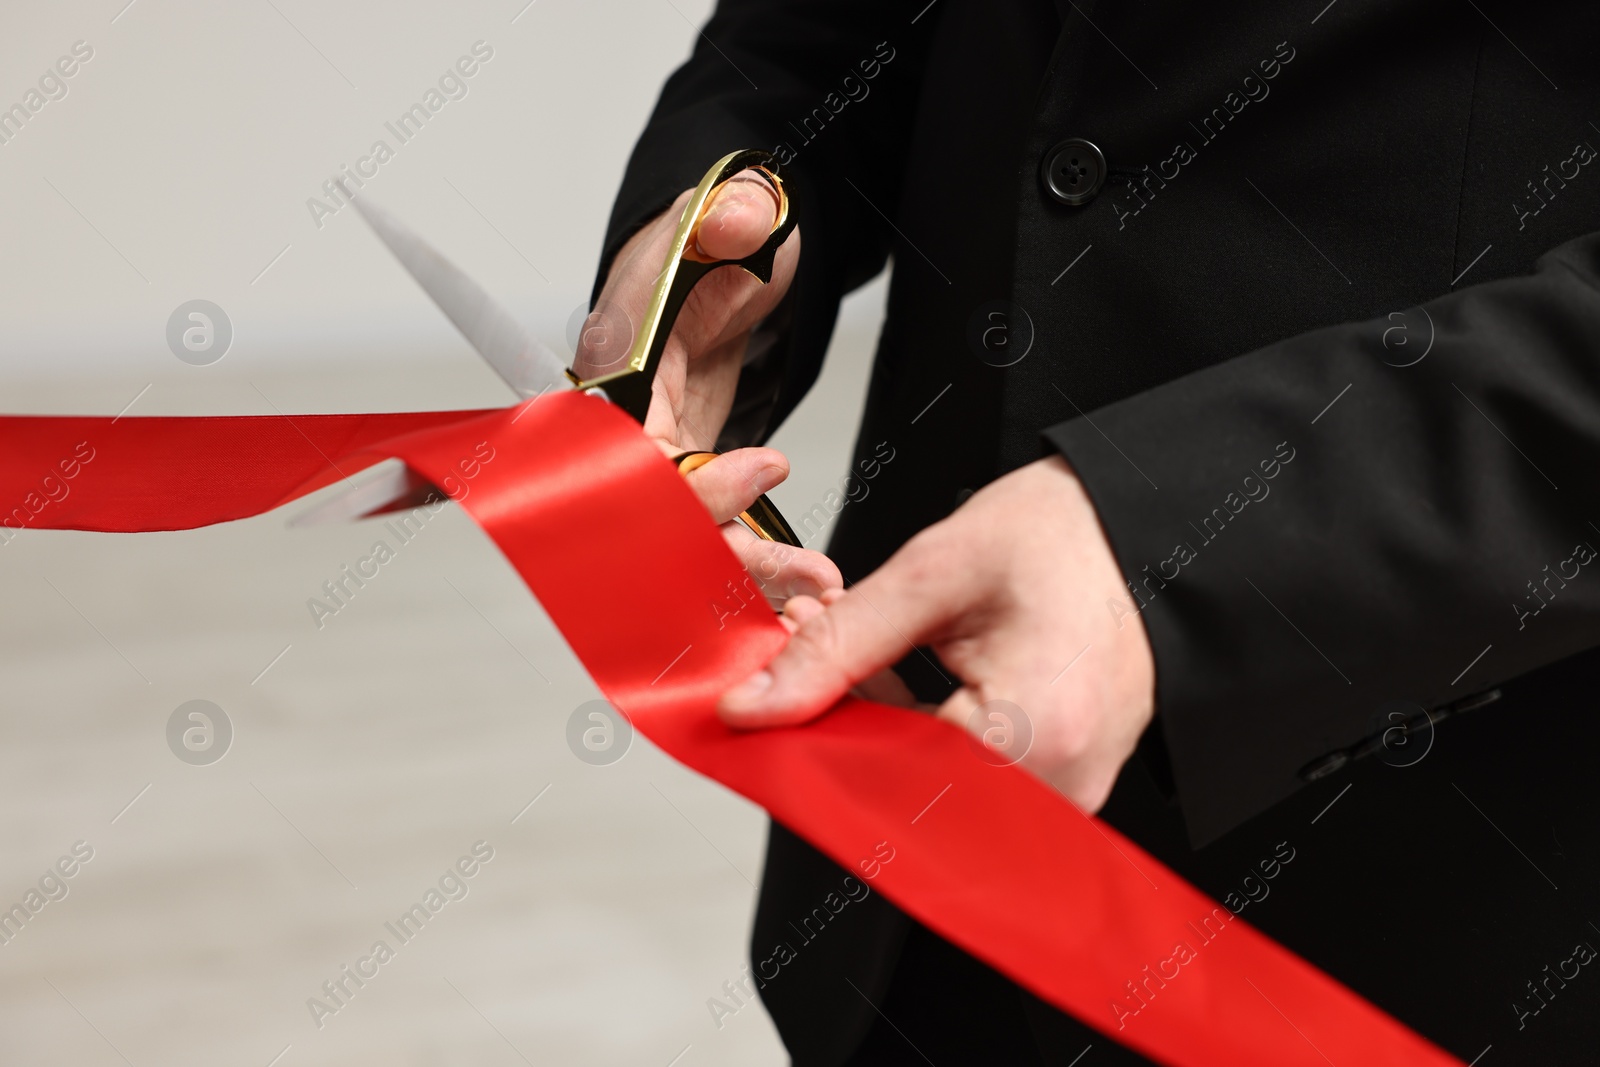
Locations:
583 506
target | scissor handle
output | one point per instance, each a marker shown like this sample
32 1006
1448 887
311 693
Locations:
762 519
629 388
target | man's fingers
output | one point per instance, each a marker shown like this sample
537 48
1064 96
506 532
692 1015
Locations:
740 217
784 571
799 610
727 485
731 482
911 599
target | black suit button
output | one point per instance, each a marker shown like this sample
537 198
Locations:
1073 171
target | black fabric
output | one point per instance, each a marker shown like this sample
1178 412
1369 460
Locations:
1439 890
760 77
819 992
1300 199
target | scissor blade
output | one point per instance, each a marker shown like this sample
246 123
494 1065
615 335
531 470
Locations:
525 364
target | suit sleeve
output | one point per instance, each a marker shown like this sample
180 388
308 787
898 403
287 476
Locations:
1401 509
829 86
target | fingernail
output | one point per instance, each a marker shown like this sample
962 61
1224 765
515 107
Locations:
805 587
768 478
747 694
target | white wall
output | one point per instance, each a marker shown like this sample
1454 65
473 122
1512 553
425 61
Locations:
193 138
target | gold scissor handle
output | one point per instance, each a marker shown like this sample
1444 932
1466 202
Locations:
629 388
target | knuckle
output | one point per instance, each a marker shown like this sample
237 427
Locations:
763 564
817 648
817 642
1060 742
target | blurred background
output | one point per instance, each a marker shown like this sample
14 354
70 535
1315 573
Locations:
339 771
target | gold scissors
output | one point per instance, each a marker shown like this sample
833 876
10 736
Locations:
532 369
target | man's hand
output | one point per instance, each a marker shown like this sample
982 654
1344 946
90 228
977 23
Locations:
728 485
694 384
1012 593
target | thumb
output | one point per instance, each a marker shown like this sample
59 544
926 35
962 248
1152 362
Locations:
905 603
739 218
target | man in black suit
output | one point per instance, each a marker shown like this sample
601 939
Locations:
1269 338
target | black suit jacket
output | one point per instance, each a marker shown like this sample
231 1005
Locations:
1324 347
